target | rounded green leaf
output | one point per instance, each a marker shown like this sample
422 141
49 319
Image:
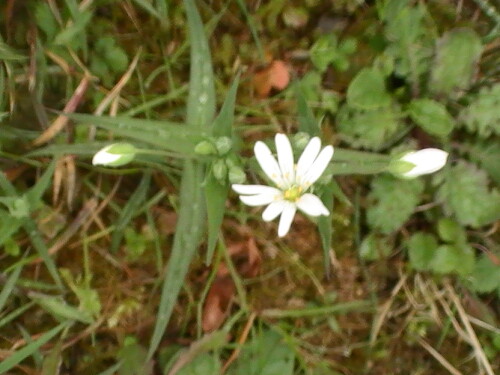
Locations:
486 275
431 116
458 52
421 250
367 90
453 259
451 231
374 247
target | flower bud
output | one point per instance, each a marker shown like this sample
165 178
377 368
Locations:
417 163
219 169
236 175
115 155
205 148
223 145
301 140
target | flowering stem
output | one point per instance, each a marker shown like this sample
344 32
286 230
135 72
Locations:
358 162
347 167
164 153
342 154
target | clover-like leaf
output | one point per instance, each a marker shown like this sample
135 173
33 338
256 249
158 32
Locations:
431 116
465 194
369 128
458 52
458 259
394 202
367 90
482 115
421 250
486 275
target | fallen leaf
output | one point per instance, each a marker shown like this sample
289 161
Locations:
247 260
217 303
275 76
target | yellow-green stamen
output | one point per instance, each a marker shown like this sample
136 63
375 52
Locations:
293 193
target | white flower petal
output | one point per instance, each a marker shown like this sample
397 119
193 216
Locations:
254 189
285 158
428 160
312 205
103 157
319 166
260 199
273 210
268 163
308 156
286 218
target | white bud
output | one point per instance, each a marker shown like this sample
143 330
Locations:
428 160
115 155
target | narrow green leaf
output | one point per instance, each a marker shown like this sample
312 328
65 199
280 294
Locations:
74 30
164 135
146 5
9 54
215 192
29 349
60 309
84 149
35 194
40 246
9 286
112 370
9 225
307 123
188 233
53 360
14 314
252 27
30 227
223 124
132 207
325 228
191 219
201 98
215 197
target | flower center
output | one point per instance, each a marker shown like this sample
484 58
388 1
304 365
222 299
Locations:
293 193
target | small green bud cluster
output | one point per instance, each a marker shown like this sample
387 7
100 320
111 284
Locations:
214 146
228 169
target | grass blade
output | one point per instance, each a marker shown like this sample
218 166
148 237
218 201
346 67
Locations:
191 219
30 227
188 233
164 135
307 123
9 286
131 208
215 192
325 228
29 349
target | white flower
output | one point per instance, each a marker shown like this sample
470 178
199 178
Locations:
428 160
115 155
291 180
